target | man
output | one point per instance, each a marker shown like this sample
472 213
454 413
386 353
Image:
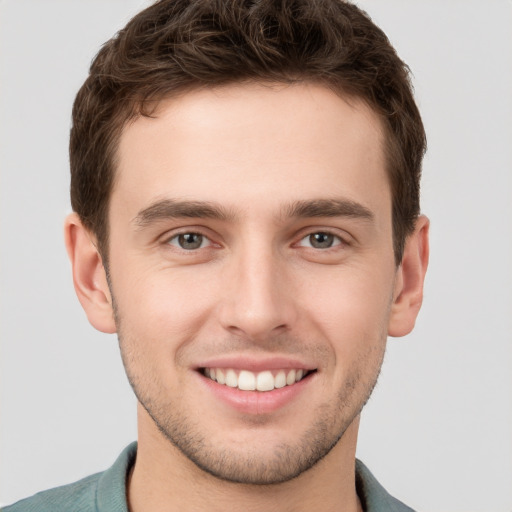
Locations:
245 182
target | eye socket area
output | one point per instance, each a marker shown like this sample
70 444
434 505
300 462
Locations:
320 240
190 241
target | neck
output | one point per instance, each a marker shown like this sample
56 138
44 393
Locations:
163 480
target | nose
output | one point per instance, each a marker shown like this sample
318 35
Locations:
259 299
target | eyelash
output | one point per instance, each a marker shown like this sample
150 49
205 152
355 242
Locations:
176 237
335 239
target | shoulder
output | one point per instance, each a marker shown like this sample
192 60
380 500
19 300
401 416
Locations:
76 497
101 492
374 498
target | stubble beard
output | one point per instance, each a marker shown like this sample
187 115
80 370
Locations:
288 460
247 466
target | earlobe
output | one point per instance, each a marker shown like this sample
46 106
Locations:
89 277
410 277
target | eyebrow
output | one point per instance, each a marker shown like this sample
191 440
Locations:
166 209
174 209
328 208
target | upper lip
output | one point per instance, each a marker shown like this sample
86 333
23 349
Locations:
257 364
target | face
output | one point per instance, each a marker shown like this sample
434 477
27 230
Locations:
252 271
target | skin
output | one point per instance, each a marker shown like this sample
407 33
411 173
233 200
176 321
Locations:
256 289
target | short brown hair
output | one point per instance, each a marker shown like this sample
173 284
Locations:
177 45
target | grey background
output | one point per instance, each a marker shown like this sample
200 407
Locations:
438 429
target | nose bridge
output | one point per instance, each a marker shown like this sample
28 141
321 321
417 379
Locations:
259 301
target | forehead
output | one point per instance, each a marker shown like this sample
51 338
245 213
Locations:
253 145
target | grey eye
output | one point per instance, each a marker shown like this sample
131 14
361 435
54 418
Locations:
189 241
320 240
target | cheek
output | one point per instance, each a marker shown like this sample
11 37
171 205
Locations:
157 316
349 291
351 307
164 305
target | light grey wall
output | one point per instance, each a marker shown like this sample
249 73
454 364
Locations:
438 430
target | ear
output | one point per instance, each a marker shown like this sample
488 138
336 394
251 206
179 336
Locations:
89 276
408 293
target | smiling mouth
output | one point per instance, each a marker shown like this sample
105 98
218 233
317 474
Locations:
246 380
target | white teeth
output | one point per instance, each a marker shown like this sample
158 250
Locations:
280 380
264 381
219 376
249 381
231 379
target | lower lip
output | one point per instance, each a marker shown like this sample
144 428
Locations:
256 402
